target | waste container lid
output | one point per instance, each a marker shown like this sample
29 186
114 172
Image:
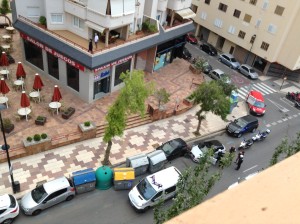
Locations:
83 176
124 174
142 161
157 157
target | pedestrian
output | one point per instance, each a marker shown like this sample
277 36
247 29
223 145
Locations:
232 149
242 152
239 162
220 154
90 46
96 39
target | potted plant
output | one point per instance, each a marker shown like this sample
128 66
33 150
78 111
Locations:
189 100
68 113
8 126
40 120
43 21
87 124
88 129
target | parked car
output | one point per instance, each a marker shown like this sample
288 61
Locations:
190 37
219 74
9 208
256 103
47 195
207 68
174 148
186 54
229 60
209 49
242 125
199 149
248 71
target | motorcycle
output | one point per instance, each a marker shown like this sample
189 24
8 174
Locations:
245 144
297 104
261 135
293 96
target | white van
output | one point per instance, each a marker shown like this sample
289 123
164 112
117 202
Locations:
159 185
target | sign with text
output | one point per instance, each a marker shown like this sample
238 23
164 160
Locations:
52 51
113 63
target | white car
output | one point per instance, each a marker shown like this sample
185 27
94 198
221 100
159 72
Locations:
9 208
248 71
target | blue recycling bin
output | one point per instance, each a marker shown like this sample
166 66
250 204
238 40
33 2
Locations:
84 180
233 100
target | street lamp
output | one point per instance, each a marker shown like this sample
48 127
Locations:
284 78
6 148
252 42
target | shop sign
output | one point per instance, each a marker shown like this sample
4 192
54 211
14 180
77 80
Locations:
113 63
53 52
101 75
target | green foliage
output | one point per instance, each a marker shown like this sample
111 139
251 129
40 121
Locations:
148 27
43 135
5 9
130 100
162 96
6 122
211 98
200 63
37 137
87 123
192 188
286 149
43 20
227 88
29 139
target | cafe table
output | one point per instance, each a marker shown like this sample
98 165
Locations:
4 99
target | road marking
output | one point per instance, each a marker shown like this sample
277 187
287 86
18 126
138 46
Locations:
249 169
287 102
281 108
259 85
269 87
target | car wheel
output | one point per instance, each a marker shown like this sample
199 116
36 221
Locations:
253 130
36 212
209 53
8 221
70 197
239 135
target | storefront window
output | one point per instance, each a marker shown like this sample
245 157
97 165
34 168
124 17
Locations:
53 66
33 54
119 69
73 77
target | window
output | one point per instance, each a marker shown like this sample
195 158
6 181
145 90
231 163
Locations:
77 22
157 196
231 29
53 65
265 4
119 69
203 15
272 28
247 18
73 77
237 13
279 10
207 2
242 34
253 2
264 46
57 18
258 22
170 190
218 23
33 11
33 54
222 7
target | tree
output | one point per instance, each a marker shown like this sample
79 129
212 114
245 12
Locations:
227 87
286 149
192 188
130 100
211 98
200 63
162 96
5 9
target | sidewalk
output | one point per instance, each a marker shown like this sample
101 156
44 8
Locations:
88 154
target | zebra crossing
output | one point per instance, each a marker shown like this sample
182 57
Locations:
261 87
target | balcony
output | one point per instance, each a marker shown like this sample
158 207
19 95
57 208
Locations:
75 8
178 5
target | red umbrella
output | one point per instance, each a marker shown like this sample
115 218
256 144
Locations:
4 59
3 87
24 102
38 83
20 73
56 94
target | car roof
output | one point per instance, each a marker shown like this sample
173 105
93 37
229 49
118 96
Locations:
228 55
4 201
219 71
248 66
249 118
167 178
257 95
56 184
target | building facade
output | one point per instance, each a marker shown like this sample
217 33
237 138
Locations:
261 33
133 34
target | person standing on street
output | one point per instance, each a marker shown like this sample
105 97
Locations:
239 162
90 46
242 152
96 39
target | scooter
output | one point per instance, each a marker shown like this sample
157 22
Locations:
245 144
261 135
297 104
292 96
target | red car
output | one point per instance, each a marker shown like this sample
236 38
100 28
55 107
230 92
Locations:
256 103
190 37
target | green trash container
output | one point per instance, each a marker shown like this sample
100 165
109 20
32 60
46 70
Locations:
104 177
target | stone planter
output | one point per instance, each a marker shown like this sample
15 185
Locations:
8 129
188 102
88 131
194 69
68 113
34 147
40 120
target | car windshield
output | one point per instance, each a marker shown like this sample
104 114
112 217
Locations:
145 189
240 122
259 104
251 70
169 147
232 60
192 35
38 194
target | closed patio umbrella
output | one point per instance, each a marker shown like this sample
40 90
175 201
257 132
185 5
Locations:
38 84
25 102
20 73
4 89
56 95
4 61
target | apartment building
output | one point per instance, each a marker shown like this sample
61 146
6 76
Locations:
133 34
261 33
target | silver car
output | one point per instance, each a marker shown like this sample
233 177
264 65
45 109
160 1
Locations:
47 195
229 60
248 71
219 74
